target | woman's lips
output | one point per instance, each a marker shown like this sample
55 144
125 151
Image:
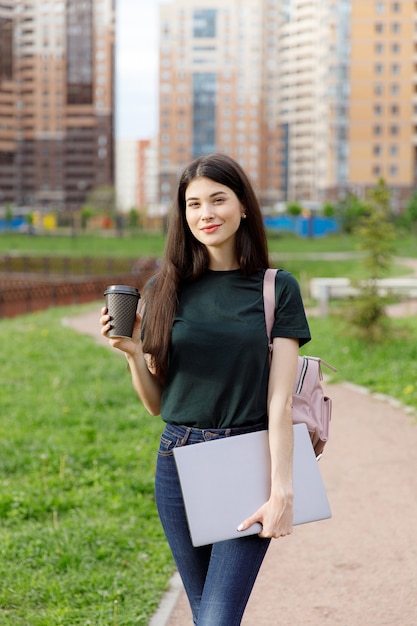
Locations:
211 229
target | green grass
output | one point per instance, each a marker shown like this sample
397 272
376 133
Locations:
152 244
80 541
388 367
129 246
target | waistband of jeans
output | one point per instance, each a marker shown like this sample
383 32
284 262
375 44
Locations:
188 433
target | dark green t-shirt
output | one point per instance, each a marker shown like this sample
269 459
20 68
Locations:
218 360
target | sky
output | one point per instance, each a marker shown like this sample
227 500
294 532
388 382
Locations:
137 68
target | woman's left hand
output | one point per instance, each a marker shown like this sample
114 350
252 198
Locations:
275 516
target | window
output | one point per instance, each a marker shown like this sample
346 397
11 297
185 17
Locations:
379 68
204 23
380 7
80 53
378 109
395 48
204 113
393 170
395 27
395 109
376 170
379 28
393 150
378 89
394 130
395 68
377 130
396 7
395 89
377 150
379 48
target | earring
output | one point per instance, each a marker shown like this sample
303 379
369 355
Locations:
243 216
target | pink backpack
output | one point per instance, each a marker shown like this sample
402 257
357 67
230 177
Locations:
310 405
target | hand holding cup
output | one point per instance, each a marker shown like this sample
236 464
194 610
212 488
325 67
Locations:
120 321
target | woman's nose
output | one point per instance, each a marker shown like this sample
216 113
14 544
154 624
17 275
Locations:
206 211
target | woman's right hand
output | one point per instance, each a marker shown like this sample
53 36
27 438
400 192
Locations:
130 346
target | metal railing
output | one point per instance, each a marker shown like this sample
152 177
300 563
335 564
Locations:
27 292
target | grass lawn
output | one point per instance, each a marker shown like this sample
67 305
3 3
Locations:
129 246
80 541
389 367
152 244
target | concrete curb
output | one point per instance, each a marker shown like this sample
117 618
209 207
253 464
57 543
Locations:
168 602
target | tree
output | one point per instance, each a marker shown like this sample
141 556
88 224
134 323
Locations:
377 234
133 218
101 200
329 210
411 212
8 216
349 211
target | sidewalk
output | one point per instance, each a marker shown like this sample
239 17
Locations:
360 567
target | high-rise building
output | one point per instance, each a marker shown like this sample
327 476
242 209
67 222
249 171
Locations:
218 64
382 100
310 92
56 101
315 99
126 173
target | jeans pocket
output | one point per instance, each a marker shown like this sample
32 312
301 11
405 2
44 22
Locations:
167 443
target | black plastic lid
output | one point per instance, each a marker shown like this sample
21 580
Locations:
123 289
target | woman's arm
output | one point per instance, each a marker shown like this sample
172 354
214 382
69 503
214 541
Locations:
146 385
276 515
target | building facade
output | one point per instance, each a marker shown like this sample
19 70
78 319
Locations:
56 101
314 98
217 76
383 96
127 154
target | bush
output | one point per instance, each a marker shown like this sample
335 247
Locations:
293 208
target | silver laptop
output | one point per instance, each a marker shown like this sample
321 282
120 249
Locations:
226 480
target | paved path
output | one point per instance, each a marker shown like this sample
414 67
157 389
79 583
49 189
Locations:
360 567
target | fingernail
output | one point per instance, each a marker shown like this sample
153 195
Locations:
240 527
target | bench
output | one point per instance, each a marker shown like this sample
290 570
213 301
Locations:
325 289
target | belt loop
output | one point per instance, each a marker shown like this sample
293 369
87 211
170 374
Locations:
186 436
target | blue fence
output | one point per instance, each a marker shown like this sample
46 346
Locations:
313 226
15 223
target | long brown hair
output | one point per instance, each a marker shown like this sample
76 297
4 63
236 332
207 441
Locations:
185 258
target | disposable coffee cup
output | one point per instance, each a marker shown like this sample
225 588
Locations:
122 303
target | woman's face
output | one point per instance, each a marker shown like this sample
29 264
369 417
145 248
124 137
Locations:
213 213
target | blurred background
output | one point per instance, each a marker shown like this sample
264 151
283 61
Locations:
102 102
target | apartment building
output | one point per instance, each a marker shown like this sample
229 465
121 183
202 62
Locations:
315 98
126 173
56 101
312 47
382 139
218 67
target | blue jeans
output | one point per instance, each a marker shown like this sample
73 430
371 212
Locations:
217 578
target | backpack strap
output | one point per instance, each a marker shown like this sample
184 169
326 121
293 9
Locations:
269 302
269 308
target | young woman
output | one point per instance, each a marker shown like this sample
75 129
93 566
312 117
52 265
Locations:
199 357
